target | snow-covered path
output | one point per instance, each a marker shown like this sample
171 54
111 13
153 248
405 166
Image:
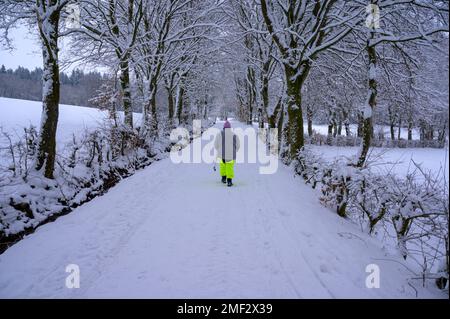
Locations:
175 231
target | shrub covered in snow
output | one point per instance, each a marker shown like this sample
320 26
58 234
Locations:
86 167
378 141
413 210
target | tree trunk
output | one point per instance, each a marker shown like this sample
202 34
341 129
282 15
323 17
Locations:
360 125
331 126
339 128
346 123
180 104
149 119
295 133
392 130
330 134
371 104
410 127
422 131
260 118
49 32
126 92
170 103
275 115
330 129
265 99
153 91
442 133
309 116
249 107
251 94
205 109
170 98
280 126
391 123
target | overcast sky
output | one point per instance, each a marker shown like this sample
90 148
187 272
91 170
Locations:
26 51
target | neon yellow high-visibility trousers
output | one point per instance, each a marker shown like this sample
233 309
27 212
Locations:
227 169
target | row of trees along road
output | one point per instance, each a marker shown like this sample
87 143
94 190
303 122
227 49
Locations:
342 61
268 49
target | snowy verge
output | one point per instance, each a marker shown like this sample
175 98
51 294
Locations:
409 212
378 141
87 167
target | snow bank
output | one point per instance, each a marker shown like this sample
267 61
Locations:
393 160
17 114
409 213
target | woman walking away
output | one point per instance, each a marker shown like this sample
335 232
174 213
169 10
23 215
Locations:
227 144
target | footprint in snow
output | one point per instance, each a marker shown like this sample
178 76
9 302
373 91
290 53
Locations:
324 269
283 213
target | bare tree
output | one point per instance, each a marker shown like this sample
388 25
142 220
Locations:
46 15
300 31
172 34
259 56
400 23
114 25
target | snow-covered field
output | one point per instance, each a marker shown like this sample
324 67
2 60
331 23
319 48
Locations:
173 230
394 160
323 129
17 114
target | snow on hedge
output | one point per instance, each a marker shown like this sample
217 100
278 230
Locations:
409 210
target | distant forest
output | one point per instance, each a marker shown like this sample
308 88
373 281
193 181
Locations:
77 88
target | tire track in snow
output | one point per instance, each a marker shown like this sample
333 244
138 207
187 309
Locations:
227 263
242 262
107 257
269 230
246 240
298 244
277 261
252 249
277 222
217 266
